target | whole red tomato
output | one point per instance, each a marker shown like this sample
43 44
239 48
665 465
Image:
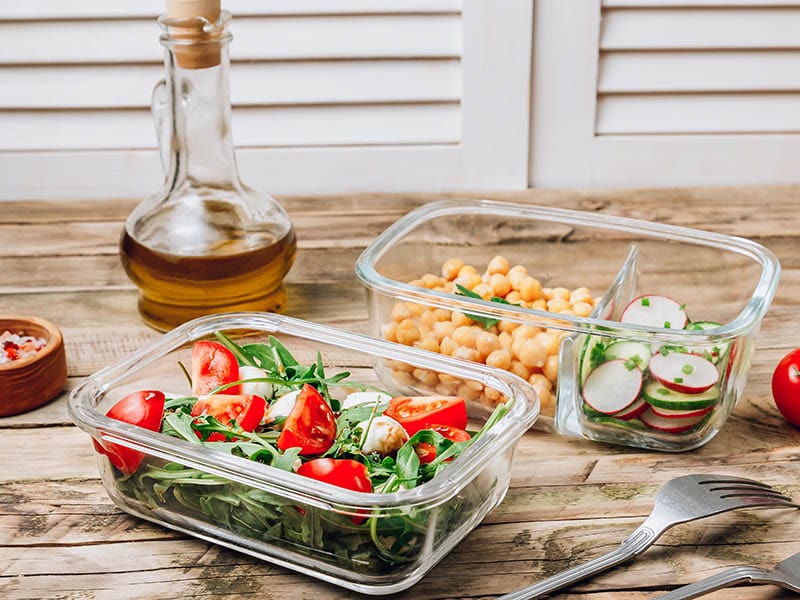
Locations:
145 409
310 425
786 387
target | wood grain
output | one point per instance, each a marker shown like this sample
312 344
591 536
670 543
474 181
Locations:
569 500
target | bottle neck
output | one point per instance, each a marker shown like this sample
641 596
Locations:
201 151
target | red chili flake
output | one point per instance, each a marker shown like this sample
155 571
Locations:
17 346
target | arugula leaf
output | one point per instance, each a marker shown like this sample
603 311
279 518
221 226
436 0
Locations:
235 349
486 322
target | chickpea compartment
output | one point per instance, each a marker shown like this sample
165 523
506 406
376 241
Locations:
529 351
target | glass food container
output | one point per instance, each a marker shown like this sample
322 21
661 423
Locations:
205 242
632 332
367 542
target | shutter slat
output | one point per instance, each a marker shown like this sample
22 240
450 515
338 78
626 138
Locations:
281 126
701 28
335 82
698 113
734 71
256 38
76 9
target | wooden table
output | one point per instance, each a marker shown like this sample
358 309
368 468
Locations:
570 500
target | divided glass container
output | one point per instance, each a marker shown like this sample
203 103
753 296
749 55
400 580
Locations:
722 285
368 542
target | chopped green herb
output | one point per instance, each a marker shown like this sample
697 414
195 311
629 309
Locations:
678 380
630 364
645 301
667 325
687 368
683 307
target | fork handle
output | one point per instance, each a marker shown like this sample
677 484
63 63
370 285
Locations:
727 578
636 543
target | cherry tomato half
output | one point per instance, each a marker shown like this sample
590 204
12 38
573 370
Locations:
213 365
420 412
786 387
341 472
245 409
427 452
144 409
310 425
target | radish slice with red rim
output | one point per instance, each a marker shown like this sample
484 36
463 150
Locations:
612 387
633 411
667 425
669 413
654 311
685 373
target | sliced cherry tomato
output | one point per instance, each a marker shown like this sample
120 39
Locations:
144 409
213 365
341 472
786 387
310 425
427 452
420 412
245 409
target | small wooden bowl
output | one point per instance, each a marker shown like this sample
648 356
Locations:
29 382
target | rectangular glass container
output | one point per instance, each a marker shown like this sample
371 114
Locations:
368 542
724 284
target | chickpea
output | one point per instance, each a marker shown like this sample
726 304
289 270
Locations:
442 314
447 346
425 376
400 311
546 400
460 318
581 294
561 292
447 378
390 331
499 264
407 332
531 289
514 297
532 353
475 385
549 342
486 343
582 309
505 339
557 305
427 343
404 378
468 280
550 369
416 283
445 389
516 279
522 269
492 395
500 284
429 280
540 304
443 329
467 270
520 370
484 290
525 332
466 354
451 267
499 358
466 336
415 309
539 379
548 293
429 318
467 393
567 311
507 326
397 365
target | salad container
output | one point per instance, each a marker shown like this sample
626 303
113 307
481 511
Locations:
649 329
374 543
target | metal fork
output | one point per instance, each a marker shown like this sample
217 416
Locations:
680 500
785 574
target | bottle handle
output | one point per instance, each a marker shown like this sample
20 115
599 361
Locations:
159 107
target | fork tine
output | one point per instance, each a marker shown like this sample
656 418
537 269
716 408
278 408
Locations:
724 480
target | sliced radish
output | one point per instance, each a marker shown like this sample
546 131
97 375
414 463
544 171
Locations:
637 352
633 411
668 413
681 425
658 395
711 352
654 311
612 387
685 373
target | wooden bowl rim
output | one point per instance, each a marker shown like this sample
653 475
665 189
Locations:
54 341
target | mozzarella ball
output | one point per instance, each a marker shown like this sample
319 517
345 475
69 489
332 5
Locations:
259 388
282 406
384 435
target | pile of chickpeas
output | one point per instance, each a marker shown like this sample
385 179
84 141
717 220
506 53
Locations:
528 351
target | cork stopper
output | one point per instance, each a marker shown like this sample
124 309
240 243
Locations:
196 47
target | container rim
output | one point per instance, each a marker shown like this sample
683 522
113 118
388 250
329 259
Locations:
523 411
748 317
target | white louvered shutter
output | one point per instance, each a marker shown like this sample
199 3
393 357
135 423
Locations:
328 95
666 92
